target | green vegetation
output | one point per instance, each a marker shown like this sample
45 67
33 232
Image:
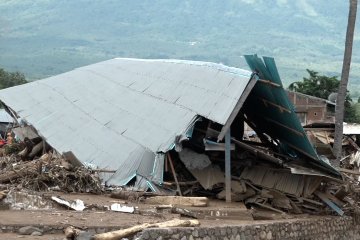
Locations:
316 85
322 86
10 79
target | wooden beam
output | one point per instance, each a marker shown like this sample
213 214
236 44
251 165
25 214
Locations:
269 83
352 143
123 233
178 201
286 127
348 171
281 108
180 183
258 152
174 174
228 166
328 202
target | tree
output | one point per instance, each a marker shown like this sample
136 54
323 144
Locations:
10 79
316 85
340 101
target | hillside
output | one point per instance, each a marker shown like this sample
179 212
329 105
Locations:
47 37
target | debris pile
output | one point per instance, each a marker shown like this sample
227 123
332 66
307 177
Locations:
44 172
262 178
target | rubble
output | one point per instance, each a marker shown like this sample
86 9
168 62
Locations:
49 171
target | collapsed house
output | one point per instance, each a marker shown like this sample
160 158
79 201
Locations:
312 109
125 116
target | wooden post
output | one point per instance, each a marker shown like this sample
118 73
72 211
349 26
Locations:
228 166
341 96
174 174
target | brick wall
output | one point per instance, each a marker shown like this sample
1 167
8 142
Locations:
310 109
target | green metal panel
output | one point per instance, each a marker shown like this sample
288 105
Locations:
269 108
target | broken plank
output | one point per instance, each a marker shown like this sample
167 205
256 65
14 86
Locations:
178 201
184 212
341 193
312 201
269 83
258 152
215 146
268 207
180 183
328 202
281 108
311 207
352 143
335 199
349 171
295 208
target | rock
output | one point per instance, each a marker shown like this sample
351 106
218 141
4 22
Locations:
71 232
28 230
269 236
36 233
262 235
84 236
145 235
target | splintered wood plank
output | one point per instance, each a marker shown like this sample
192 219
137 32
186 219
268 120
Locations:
179 201
328 202
119 234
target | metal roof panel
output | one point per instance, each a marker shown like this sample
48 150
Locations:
109 111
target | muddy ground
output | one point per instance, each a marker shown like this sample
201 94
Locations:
40 211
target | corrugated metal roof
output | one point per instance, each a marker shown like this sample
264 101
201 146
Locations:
109 112
273 108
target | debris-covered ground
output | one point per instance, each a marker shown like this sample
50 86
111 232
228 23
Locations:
47 187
